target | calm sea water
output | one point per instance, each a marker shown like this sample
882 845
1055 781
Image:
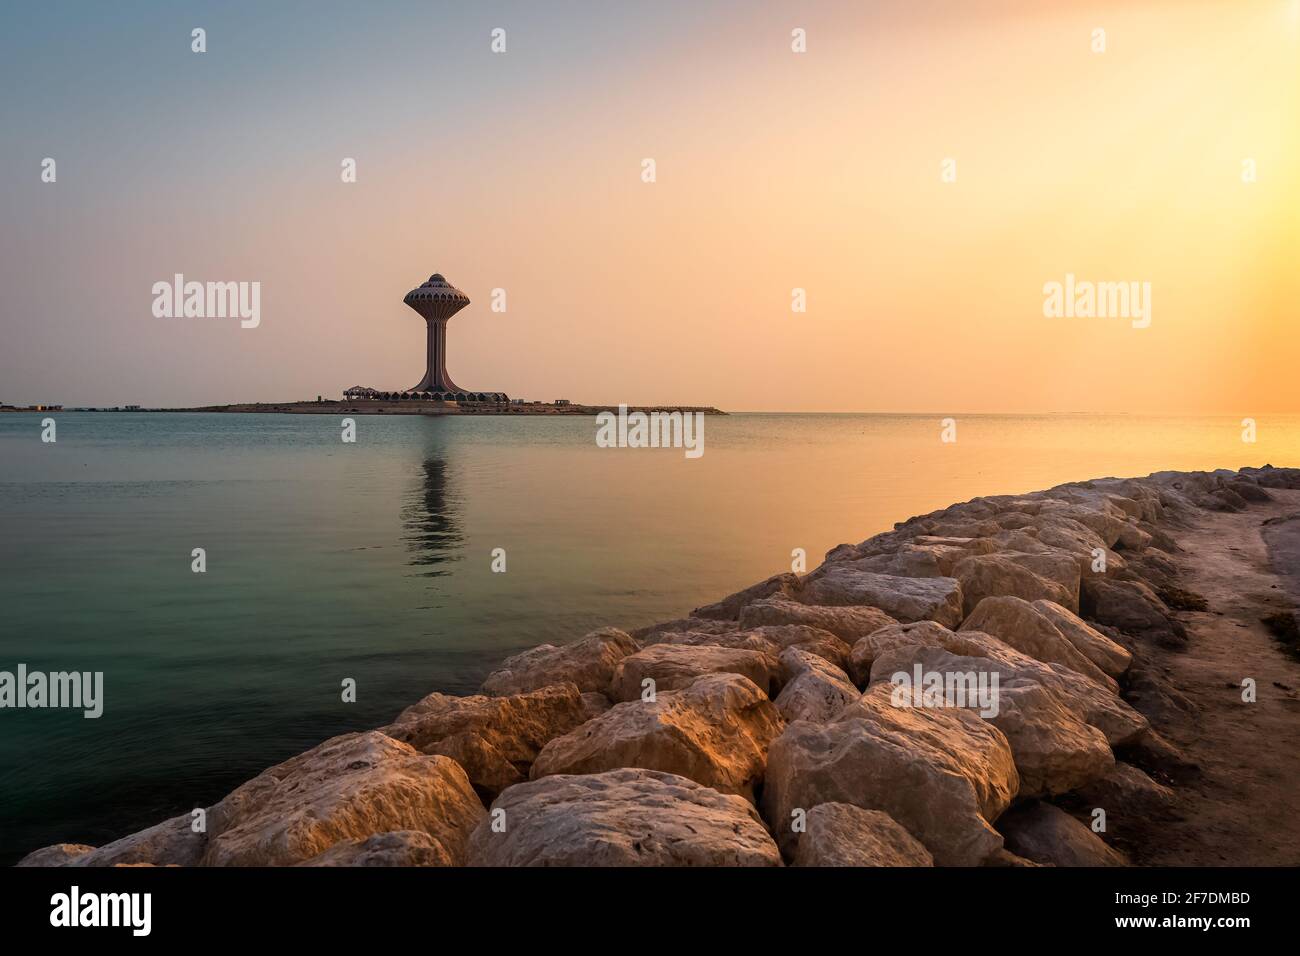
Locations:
372 561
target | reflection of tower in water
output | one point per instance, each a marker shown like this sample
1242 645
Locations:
430 520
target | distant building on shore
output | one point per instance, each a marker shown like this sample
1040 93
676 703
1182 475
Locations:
436 301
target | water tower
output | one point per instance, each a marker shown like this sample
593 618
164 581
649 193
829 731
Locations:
437 301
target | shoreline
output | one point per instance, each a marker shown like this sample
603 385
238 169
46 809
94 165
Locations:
1105 681
333 407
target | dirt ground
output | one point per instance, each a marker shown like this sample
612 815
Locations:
1244 807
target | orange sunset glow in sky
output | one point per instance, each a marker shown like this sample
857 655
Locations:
1172 157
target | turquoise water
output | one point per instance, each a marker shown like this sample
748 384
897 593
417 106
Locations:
372 561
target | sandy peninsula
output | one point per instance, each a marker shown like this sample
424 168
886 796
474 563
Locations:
330 407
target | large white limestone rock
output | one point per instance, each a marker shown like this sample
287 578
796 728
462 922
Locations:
348 788
589 663
621 818
715 731
944 774
905 599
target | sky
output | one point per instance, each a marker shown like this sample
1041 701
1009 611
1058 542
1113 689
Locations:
829 170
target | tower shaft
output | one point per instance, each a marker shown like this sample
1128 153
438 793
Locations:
436 378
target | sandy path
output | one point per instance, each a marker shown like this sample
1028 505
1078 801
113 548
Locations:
1244 808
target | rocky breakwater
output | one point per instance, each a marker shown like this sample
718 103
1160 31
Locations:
789 723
